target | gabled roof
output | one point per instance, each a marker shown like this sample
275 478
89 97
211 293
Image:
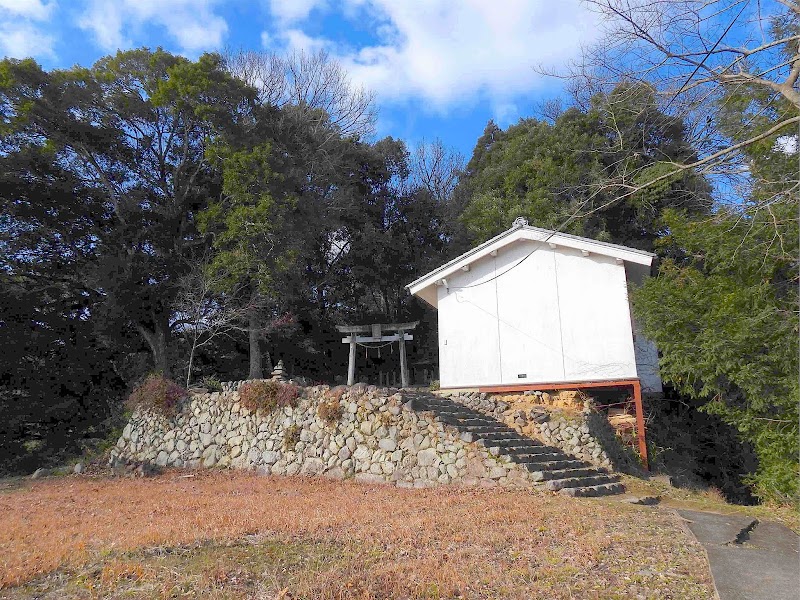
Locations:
423 287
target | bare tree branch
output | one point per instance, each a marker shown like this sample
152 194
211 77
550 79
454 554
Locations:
436 168
313 83
691 53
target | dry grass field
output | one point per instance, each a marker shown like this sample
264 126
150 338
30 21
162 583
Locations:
223 534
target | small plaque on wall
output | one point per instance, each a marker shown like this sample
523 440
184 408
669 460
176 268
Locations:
522 376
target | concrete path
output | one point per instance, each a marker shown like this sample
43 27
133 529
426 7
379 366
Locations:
749 560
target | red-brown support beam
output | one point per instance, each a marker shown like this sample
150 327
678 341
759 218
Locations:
640 432
521 387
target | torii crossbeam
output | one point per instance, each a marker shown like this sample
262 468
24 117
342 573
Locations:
376 330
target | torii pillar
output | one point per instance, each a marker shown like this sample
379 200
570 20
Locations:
377 329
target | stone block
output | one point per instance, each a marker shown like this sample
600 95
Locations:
312 466
387 444
335 473
370 478
426 457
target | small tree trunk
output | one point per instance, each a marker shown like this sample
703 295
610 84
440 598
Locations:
191 361
256 370
268 366
157 340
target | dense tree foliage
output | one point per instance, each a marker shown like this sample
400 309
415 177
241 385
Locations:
122 182
132 133
724 307
725 319
198 217
573 174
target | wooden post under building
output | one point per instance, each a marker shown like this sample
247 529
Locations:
376 336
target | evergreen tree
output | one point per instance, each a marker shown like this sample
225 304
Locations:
724 307
573 175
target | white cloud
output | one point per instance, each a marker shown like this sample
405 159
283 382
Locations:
295 39
22 39
445 53
291 11
192 24
21 34
31 9
105 21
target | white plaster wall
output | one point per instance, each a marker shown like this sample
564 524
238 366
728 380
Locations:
645 350
595 318
557 316
529 317
468 334
647 363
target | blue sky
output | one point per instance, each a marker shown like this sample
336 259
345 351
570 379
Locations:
439 68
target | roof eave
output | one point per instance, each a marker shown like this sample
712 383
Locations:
537 235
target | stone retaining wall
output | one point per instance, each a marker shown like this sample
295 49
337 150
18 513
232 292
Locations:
378 438
584 433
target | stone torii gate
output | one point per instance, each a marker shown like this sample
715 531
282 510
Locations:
377 335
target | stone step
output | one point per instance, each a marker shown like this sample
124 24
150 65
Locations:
568 473
550 467
604 489
423 406
485 441
554 465
443 410
449 420
487 425
469 420
535 449
555 485
494 435
439 403
540 457
460 418
501 436
491 430
507 443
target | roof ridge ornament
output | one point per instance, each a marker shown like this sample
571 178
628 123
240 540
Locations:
520 222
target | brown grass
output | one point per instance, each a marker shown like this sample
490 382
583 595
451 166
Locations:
711 500
235 534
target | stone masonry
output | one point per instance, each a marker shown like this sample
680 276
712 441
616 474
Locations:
568 423
379 437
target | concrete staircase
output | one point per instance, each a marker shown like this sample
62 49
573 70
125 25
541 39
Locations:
550 468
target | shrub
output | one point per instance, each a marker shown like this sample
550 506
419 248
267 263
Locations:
434 385
337 392
291 436
263 395
288 394
157 393
330 410
211 383
268 395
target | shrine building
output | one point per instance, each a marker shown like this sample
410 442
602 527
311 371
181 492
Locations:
538 309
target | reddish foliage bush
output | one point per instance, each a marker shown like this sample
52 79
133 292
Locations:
267 395
255 395
330 410
288 393
337 392
157 393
